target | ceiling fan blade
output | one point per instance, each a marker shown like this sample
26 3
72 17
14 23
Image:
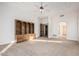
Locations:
45 5
37 6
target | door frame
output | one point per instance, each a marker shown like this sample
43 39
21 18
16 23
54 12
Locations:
66 29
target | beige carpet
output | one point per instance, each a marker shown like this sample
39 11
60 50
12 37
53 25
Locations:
44 47
3 46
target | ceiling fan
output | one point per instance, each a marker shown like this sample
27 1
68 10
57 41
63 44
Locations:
42 8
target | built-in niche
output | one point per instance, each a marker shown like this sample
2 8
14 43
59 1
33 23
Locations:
24 30
18 27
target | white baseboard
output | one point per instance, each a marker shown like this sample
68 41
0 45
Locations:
3 43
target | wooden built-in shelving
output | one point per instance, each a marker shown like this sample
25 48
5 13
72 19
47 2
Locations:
24 31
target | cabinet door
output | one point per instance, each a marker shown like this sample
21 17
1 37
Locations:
18 27
24 28
32 27
29 28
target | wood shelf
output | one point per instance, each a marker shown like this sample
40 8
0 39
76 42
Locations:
24 31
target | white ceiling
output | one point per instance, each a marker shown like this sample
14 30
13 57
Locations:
51 8
50 5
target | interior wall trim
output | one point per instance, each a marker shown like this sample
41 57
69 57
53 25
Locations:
3 43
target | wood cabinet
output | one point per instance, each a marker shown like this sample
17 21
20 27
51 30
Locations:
18 28
23 27
24 31
32 30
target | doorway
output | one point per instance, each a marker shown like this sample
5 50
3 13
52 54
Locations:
43 30
62 30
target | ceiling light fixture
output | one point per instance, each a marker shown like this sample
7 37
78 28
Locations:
41 7
62 15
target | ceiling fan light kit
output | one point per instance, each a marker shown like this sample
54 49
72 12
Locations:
41 7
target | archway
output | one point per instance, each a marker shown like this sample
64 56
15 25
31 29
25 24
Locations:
62 30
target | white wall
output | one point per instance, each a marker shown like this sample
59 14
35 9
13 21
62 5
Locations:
11 11
78 23
71 20
27 12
